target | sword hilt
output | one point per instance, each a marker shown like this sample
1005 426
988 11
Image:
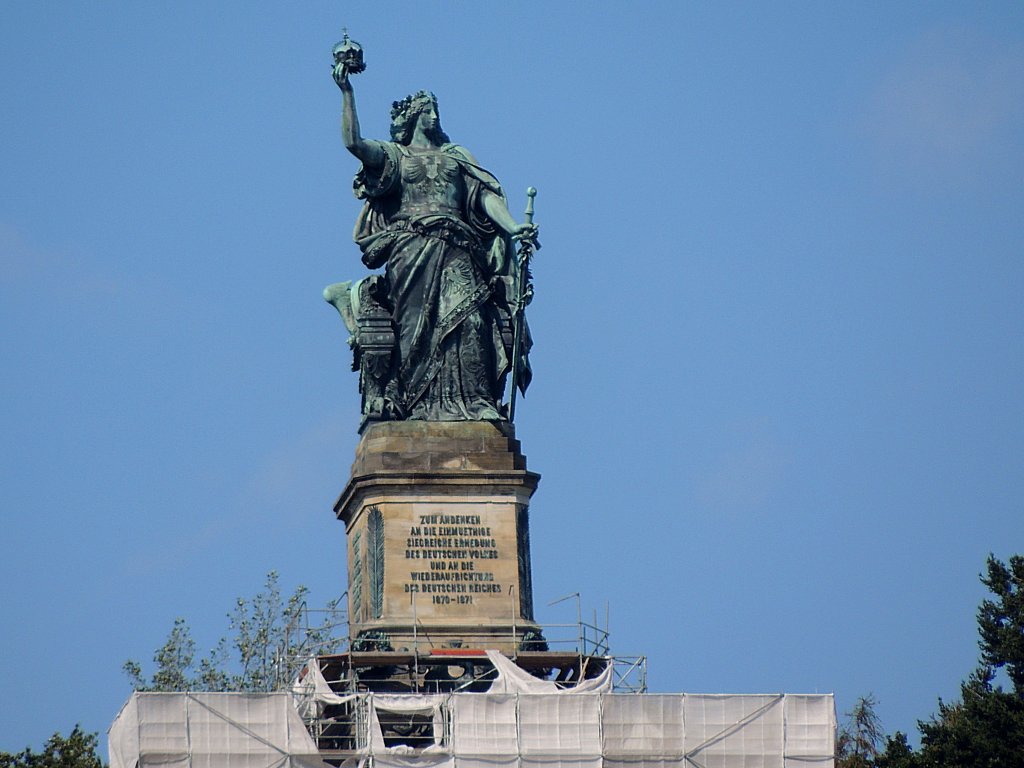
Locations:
531 192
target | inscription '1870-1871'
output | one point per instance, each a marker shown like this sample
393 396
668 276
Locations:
452 550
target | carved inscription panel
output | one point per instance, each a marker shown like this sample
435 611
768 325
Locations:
435 559
451 559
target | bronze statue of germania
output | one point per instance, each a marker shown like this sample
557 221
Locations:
433 336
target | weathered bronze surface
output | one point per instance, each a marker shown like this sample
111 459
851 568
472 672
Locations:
435 336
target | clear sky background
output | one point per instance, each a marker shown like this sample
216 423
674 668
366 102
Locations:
778 402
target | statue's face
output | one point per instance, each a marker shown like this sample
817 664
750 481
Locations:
427 119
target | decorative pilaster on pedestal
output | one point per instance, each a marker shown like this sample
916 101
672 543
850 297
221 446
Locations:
437 522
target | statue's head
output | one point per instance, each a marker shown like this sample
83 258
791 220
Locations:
406 112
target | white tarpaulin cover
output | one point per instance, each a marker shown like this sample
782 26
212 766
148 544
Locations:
595 730
514 679
410 704
722 730
312 691
488 730
211 730
485 726
807 738
638 726
312 684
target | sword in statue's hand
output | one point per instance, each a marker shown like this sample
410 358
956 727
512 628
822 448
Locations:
524 295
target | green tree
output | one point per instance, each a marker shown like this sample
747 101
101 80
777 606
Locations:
174 663
1001 621
271 637
985 727
78 750
898 753
860 736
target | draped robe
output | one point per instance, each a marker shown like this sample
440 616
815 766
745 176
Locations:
424 221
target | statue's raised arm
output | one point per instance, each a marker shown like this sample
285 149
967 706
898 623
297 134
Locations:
439 224
369 152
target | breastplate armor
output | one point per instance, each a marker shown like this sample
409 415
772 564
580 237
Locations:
431 184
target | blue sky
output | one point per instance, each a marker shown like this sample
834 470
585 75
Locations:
777 406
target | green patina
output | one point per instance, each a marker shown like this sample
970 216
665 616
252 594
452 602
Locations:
438 333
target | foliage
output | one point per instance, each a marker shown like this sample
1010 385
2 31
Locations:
898 753
175 666
264 628
270 637
78 750
985 728
1001 622
860 736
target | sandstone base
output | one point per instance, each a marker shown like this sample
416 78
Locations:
436 515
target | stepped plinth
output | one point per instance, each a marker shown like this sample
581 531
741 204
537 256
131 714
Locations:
437 523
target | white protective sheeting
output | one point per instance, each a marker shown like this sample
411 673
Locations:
513 679
487 730
429 706
312 691
554 730
642 726
553 725
810 738
726 730
211 730
558 731
485 726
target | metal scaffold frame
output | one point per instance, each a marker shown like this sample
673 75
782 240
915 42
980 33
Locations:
568 653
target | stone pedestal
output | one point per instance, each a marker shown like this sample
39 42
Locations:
436 516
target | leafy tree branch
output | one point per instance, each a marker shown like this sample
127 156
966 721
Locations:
269 634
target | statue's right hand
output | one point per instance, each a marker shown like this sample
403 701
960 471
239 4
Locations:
341 76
